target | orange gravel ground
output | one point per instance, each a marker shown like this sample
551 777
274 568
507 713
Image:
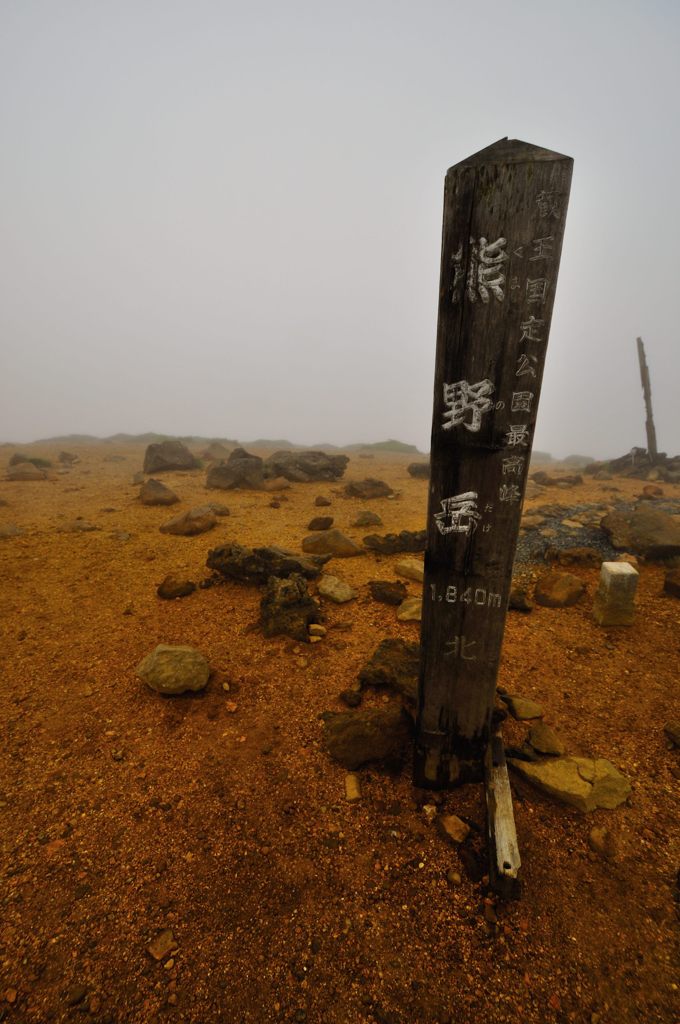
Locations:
123 813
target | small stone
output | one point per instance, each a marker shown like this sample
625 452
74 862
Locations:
522 708
173 587
317 630
173 669
615 597
387 592
321 502
169 964
410 610
558 590
453 828
155 492
75 995
672 731
352 788
190 524
162 944
601 841
519 600
410 569
453 877
331 542
320 523
545 740
315 639
335 589
172 999
366 518
429 812
11 996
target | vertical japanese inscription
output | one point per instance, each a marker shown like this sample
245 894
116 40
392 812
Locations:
504 212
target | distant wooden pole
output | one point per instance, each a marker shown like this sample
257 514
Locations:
647 392
504 215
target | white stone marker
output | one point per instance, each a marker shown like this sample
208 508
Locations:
614 600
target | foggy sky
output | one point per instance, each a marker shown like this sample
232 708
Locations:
224 218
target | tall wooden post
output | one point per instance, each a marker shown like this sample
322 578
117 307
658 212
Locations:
647 392
504 215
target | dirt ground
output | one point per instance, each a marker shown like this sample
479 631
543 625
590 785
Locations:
218 816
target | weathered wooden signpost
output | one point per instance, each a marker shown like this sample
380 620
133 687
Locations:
504 216
647 392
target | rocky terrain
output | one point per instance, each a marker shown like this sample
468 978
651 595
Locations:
206 804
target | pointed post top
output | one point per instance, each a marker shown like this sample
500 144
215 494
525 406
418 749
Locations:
509 151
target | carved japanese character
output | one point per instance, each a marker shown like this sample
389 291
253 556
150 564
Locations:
466 403
459 514
509 492
537 289
513 465
517 436
542 248
530 329
548 204
521 401
524 365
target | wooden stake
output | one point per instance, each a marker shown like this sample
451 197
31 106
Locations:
647 392
504 858
504 214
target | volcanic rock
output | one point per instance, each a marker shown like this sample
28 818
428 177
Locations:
241 470
410 569
410 610
335 589
322 502
175 586
645 531
368 488
288 608
168 455
302 467
546 480
154 492
558 590
572 556
419 470
392 543
67 458
319 523
519 600
453 828
366 518
256 565
388 593
26 471
585 783
216 452
545 740
522 708
173 669
355 738
190 524
331 542
395 663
